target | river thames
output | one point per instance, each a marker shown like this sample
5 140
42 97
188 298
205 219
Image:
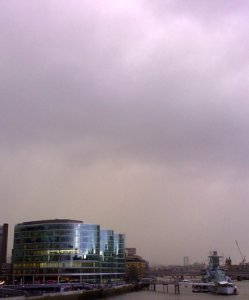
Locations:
185 294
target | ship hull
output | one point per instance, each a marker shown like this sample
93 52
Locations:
223 290
226 290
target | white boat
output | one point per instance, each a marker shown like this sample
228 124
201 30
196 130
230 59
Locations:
225 288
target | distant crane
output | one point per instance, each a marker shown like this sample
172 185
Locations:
243 258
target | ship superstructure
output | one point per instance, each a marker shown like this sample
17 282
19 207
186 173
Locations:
215 279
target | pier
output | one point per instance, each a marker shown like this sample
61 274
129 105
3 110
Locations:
166 286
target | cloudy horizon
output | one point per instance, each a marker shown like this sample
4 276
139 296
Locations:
129 114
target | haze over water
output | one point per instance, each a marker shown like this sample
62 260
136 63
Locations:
185 294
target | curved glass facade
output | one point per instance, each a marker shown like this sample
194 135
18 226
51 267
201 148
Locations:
119 254
62 250
107 251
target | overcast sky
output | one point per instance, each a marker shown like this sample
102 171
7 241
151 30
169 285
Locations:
132 114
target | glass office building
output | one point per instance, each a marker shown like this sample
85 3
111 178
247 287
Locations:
119 254
107 252
64 251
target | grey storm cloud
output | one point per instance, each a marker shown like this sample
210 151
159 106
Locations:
133 104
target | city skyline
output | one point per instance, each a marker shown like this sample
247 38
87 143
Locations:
130 114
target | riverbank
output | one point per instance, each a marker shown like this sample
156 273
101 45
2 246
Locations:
87 294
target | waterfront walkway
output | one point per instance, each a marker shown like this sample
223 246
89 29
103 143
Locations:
40 292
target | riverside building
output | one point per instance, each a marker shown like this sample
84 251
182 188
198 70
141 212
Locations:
136 268
67 251
3 245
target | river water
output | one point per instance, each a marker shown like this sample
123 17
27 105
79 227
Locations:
185 294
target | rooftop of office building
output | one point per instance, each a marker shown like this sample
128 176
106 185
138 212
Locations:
53 221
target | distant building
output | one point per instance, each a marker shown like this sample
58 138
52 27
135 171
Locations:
3 244
5 267
67 250
130 251
186 261
228 262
